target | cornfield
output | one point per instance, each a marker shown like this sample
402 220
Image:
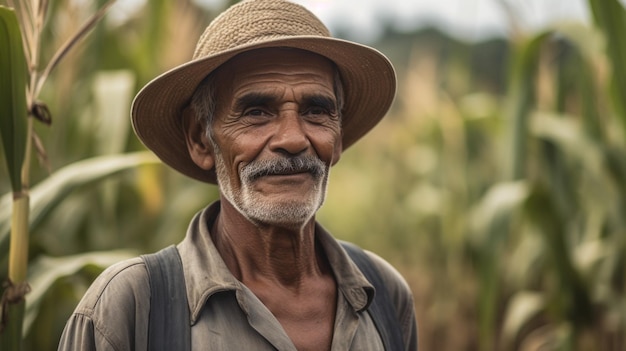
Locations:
496 185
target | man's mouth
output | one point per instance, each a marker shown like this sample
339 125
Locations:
284 167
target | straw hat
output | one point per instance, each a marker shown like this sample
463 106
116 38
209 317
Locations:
368 77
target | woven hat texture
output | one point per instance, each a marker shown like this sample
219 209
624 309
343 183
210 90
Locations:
368 77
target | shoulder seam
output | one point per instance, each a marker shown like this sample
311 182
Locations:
88 309
113 277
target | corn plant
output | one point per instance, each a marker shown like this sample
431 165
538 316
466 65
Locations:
21 29
512 201
14 133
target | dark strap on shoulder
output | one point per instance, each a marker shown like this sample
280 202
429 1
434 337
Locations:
382 310
169 325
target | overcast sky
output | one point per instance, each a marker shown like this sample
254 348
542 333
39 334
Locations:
465 19
468 19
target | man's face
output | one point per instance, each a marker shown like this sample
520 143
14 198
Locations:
276 133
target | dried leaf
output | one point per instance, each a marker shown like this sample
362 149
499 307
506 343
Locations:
69 44
42 155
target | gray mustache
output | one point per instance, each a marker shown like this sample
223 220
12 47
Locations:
300 164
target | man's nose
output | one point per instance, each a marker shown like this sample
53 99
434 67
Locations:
290 136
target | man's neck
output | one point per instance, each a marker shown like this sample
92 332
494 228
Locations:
267 254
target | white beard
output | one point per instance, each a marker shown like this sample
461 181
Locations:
259 209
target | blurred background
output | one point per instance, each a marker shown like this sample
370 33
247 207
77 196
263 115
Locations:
496 184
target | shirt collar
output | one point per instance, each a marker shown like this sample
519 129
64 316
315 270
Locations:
206 273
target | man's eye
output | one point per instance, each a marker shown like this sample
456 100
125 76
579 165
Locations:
316 111
255 112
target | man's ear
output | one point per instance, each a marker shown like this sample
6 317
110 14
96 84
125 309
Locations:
198 144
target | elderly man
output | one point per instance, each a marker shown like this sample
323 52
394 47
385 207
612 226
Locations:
264 109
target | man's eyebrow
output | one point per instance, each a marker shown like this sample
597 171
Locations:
253 99
320 100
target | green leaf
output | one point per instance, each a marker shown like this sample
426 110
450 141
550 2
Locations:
488 216
567 132
523 306
610 17
521 101
12 95
490 223
51 191
46 271
574 302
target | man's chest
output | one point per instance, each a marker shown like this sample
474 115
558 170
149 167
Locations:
242 322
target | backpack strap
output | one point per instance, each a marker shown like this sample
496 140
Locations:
382 310
169 325
169 311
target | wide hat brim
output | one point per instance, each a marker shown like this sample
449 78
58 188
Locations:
368 78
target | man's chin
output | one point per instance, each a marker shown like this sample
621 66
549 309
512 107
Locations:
294 213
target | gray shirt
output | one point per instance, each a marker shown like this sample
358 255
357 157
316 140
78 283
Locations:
225 314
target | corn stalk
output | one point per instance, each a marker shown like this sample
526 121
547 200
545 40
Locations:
20 35
14 136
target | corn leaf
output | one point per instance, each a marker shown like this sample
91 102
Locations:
490 222
524 306
46 271
12 95
610 17
47 194
521 100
